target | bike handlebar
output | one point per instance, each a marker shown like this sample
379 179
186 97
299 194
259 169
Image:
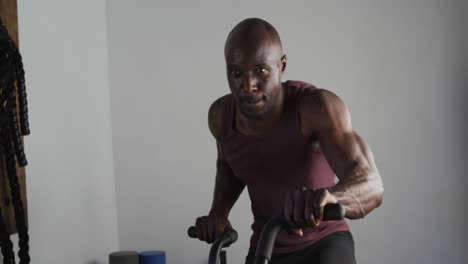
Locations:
273 227
267 237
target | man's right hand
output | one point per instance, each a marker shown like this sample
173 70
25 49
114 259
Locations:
210 227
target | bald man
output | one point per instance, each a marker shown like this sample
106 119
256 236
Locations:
294 148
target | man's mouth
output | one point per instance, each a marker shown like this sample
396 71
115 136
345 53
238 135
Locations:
251 100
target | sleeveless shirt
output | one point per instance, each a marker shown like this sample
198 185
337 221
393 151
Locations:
274 162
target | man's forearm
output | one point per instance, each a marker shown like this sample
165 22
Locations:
359 193
228 188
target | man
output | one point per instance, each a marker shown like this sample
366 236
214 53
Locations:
288 142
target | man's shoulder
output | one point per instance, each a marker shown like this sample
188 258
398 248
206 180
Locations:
322 108
318 97
215 115
299 83
297 89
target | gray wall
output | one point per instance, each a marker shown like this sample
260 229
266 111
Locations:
400 66
70 176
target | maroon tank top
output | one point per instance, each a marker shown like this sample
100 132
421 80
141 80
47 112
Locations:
274 162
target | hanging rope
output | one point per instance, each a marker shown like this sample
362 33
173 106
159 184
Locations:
13 97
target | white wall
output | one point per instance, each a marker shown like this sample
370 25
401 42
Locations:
400 66
70 180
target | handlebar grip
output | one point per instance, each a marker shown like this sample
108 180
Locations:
333 212
229 234
192 232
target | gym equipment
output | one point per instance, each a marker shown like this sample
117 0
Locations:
267 237
13 98
124 257
153 257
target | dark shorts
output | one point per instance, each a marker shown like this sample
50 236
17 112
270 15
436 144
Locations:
335 248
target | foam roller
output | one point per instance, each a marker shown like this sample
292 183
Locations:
124 257
153 257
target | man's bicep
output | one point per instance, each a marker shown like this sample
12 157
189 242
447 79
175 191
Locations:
215 124
346 152
227 187
220 155
215 118
325 117
223 167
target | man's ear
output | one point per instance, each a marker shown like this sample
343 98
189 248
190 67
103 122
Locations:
284 62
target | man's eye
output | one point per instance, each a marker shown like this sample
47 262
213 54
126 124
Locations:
235 73
262 70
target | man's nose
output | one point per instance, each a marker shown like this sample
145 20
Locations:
250 83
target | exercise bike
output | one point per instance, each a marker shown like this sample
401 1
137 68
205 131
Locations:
267 237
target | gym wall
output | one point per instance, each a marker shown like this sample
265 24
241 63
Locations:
400 66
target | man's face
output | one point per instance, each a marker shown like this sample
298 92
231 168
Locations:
254 77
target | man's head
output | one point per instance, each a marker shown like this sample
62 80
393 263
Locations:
255 64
